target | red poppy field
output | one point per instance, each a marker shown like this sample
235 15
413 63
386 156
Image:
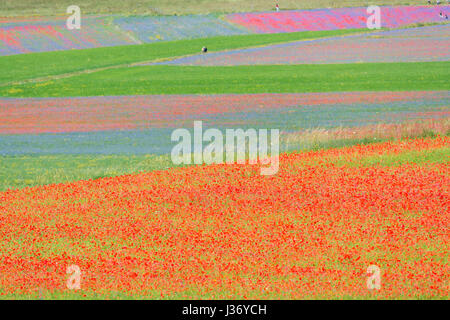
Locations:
111 115
224 231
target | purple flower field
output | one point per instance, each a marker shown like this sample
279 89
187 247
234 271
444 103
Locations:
424 44
50 34
170 28
143 124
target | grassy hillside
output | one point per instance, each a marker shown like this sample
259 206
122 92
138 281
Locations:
58 7
164 79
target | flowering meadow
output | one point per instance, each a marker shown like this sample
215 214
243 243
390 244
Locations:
99 181
424 44
143 124
224 231
85 114
49 34
338 18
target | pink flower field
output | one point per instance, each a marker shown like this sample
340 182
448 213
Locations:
85 114
35 34
331 19
424 44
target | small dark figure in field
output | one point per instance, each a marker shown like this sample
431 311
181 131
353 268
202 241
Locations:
204 49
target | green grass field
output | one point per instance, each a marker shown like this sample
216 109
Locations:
163 7
27 171
242 79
